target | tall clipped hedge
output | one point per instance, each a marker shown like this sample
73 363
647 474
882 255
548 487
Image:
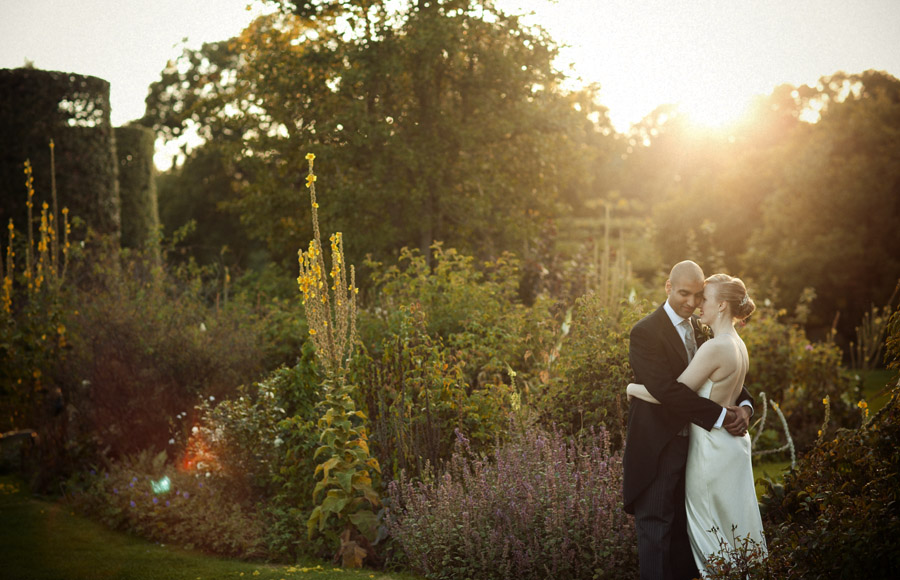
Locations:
137 187
38 106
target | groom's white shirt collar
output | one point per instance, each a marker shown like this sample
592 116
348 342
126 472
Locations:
676 320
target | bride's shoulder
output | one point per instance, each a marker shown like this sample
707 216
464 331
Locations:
718 346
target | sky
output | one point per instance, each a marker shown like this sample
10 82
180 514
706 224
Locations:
710 56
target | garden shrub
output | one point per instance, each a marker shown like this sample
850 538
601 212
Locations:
125 345
797 374
145 349
417 396
447 344
137 187
290 501
263 439
475 310
72 111
590 376
540 506
145 495
837 515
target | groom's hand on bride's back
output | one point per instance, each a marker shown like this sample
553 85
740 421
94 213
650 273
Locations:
737 420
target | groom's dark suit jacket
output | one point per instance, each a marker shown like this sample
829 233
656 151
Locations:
658 356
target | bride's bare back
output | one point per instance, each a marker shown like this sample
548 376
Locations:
728 378
722 360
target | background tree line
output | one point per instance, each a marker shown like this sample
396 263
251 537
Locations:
447 120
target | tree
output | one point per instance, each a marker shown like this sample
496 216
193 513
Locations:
441 120
831 220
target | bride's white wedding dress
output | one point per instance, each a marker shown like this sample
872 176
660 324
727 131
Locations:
719 490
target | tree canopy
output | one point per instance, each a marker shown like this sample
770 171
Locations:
431 121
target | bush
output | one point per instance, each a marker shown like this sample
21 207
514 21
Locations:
293 479
100 365
590 376
416 396
798 375
146 347
146 496
263 441
837 514
476 311
540 507
445 343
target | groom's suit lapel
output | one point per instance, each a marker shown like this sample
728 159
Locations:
670 333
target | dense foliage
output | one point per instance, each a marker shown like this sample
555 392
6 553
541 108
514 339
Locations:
797 374
436 121
832 515
540 506
147 496
484 388
72 111
137 187
585 390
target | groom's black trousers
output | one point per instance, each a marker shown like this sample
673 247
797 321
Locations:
664 549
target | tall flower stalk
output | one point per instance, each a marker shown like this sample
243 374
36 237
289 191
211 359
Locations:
345 494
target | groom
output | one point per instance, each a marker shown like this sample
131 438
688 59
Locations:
656 443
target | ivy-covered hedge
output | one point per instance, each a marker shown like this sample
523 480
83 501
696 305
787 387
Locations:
72 110
137 187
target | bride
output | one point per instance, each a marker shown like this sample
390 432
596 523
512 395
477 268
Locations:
720 496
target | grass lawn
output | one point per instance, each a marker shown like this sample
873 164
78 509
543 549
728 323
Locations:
771 470
41 540
874 387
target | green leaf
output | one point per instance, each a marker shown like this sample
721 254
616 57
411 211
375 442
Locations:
334 503
345 479
366 522
313 522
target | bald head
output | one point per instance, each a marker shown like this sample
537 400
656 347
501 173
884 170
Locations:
684 288
686 271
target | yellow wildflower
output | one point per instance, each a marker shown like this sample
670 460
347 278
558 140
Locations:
310 179
862 405
310 156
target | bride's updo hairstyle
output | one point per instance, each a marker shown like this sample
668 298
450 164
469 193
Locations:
732 290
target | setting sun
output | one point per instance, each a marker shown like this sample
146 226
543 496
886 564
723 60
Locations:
714 110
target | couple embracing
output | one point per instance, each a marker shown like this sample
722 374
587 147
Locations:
688 475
